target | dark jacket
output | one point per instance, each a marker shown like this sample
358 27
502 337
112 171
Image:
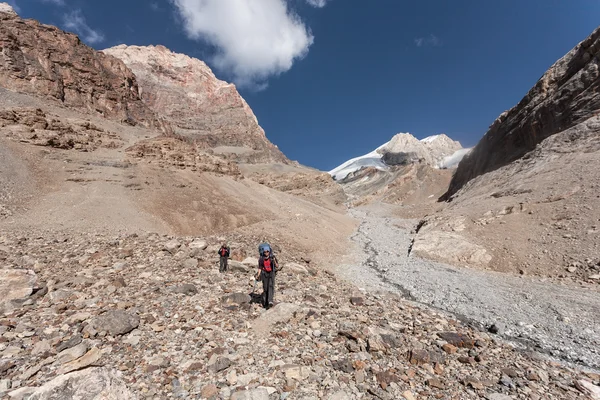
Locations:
227 251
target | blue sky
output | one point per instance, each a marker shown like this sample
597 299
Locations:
333 79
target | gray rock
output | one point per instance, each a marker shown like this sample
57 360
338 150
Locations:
116 322
236 298
282 312
72 342
254 394
237 266
172 246
341 395
5 385
187 289
198 244
221 364
90 384
16 285
190 263
497 328
498 396
71 354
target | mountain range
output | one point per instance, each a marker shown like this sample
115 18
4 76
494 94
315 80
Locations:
123 171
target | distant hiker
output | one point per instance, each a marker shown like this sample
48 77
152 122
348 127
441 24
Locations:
224 252
268 266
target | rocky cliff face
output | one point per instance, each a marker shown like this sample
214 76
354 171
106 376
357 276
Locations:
45 61
199 106
566 95
525 200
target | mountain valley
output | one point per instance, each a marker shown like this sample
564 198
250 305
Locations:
421 270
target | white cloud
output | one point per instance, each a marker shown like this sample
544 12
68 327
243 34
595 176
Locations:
430 40
255 39
317 3
55 2
75 21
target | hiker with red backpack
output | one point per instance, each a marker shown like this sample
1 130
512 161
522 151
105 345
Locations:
224 252
267 268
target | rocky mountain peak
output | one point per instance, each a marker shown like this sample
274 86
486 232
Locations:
198 105
46 62
7 9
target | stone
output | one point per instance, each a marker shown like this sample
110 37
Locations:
450 349
16 285
341 395
436 383
408 395
5 385
71 342
190 263
172 246
253 394
250 261
221 364
209 391
280 313
457 339
295 268
451 248
187 289
198 244
91 383
41 347
296 372
71 354
236 298
498 396
90 358
497 328
236 266
357 301
588 388
116 322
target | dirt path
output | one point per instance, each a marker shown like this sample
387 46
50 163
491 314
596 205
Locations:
558 320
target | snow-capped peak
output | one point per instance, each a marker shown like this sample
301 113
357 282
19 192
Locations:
438 151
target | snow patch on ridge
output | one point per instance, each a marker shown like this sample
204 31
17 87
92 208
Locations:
453 160
372 159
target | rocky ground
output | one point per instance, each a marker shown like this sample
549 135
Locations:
553 317
149 316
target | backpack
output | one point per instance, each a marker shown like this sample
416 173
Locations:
262 247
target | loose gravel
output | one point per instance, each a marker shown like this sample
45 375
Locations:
553 319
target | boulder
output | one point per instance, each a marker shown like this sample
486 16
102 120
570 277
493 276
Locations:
450 248
172 246
236 298
282 312
254 394
295 268
89 384
237 266
187 289
16 285
116 322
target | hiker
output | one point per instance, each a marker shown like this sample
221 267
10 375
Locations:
223 256
267 267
